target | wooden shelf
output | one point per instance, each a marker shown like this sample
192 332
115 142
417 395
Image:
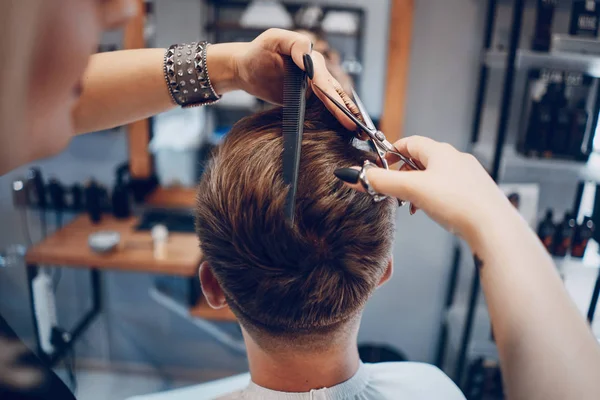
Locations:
180 197
204 311
69 247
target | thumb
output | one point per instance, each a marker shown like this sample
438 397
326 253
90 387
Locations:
404 185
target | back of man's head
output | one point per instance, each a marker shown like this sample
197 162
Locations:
289 281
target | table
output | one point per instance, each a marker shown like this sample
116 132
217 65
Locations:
68 247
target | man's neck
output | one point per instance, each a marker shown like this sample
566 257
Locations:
298 371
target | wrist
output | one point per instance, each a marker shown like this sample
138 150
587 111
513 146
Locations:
499 221
221 67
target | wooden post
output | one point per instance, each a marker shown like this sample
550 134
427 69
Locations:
140 160
392 119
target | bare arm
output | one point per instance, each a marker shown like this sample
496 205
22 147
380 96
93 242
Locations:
126 86
121 87
546 348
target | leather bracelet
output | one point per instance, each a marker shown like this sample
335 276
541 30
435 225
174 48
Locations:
186 74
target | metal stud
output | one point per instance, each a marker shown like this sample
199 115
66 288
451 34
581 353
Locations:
190 71
185 92
182 83
180 73
192 81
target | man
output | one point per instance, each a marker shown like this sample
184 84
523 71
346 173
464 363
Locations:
299 291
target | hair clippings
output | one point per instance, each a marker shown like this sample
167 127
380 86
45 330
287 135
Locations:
364 181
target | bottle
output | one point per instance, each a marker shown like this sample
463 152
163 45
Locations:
120 198
530 144
564 236
547 230
584 18
160 238
44 307
545 121
543 25
562 122
579 120
93 201
582 236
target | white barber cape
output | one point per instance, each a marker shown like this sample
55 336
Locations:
384 381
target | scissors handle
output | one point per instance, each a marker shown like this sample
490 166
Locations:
405 160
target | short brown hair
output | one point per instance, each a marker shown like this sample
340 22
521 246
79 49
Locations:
283 279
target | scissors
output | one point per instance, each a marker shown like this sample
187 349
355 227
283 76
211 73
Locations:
380 143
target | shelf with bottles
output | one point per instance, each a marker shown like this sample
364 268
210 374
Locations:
560 60
553 129
516 166
576 50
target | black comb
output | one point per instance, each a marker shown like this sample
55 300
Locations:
294 105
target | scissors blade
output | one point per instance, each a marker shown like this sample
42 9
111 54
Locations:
359 123
363 111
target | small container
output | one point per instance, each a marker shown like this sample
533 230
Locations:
160 237
564 236
547 230
104 242
582 236
578 129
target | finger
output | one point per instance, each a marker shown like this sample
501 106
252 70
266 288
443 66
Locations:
326 82
394 159
409 186
405 167
419 148
287 43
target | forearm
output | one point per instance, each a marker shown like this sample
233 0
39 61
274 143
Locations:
546 348
125 86
121 87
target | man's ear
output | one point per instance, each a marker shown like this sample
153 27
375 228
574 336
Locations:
388 272
210 287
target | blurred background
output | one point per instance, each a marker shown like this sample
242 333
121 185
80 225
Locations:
513 82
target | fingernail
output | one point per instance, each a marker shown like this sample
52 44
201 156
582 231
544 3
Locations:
349 175
413 209
308 66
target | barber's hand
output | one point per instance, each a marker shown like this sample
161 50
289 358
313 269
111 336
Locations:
258 68
453 189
